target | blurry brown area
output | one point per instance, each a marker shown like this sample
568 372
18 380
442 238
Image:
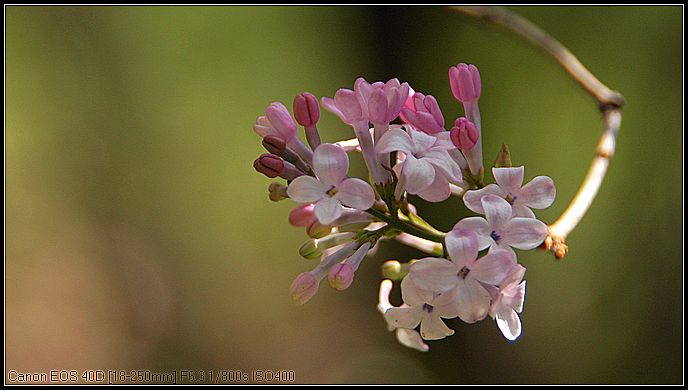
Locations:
139 237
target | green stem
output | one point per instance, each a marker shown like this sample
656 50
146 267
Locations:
406 227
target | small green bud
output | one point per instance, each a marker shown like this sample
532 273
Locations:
503 158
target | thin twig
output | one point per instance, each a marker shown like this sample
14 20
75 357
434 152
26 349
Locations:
609 101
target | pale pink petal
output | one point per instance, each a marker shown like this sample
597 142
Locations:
443 161
404 317
422 141
494 266
394 139
327 210
377 106
462 247
418 174
348 105
521 210
411 339
473 300
412 295
480 227
510 179
539 193
330 105
355 193
439 189
433 328
497 210
451 310
523 233
519 297
306 189
515 276
330 164
434 274
281 120
472 199
509 323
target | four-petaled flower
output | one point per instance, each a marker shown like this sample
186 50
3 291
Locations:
507 302
500 229
539 193
464 274
427 169
331 189
424 308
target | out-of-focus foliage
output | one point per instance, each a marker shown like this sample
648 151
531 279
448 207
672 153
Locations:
138 235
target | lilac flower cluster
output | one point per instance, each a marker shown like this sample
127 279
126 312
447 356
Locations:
473 271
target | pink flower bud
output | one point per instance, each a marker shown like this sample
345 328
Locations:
304 288
303 215
464 134
281 120
306 109
341 276
465 84
269 165
423 113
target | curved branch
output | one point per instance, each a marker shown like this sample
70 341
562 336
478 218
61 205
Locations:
609 101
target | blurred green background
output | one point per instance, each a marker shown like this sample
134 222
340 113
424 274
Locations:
138 235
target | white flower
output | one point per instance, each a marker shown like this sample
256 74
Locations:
500 229
464 276
424 308
539 193
428 168
507 302
332 188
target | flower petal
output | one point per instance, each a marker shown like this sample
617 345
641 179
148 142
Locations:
494 266
433 328
327 210
521 210
523 233
480 226
443 161
462 247
539 193
356 193
497 210
509 323
421 141
439 189
330 164
404 317
394 139
510 179
473 300
419 174
472 199
519 297
411 339
306 189
413 295
433 274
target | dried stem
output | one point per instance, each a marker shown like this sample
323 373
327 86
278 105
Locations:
610 102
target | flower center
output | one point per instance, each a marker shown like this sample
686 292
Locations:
332 191
428 308
463 272
495 236
511 199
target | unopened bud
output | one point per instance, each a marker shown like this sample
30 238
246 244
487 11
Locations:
391 269
465 83
277 192
269 165
306 109
281 120
318 230
304 288
341 276
464 134
274 145
303 215
312 249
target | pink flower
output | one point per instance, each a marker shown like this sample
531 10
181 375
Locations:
464 273
423 113
539 193
507 302
466 136
331 188
427 168
278 123
424 308
501 229
406 337
341 275
306 109
465 83
345 105
381 102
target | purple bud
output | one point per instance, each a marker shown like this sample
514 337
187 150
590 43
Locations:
274 145
303 215
269 165
281 120
340 276
464 134
306 109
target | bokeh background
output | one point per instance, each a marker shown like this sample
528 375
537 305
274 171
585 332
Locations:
138 235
